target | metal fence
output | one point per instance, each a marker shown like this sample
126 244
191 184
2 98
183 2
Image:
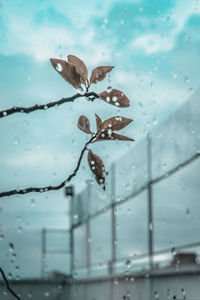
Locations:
151 206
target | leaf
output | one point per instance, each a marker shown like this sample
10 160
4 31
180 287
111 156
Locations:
114 123
97 167
115 97
113 136
99 73
67 71
84 124
98 121
80 66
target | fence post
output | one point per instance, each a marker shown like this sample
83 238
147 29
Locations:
43 251
69 192
150 200
113 218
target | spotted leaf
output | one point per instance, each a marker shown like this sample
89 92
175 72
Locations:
97 167
115 97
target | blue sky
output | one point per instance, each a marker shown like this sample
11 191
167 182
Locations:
154 46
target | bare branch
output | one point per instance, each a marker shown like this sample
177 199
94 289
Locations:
50 187
7 284
26 110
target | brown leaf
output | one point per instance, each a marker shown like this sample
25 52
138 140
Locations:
115 97
84 124
97 167
114 123
99 73
80 66
67 71
112 136
98 121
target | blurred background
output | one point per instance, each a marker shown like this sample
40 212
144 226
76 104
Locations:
140 238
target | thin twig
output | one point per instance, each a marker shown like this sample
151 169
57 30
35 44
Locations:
7 285
27 110
50 187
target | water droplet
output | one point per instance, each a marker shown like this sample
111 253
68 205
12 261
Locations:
75 275
186 79
150 226
19 219
17 268
173 251
109 89
16 141
155 68
128 263
30 295
59 67
19 229
184 293
33 201
11 246
47 294
129 210
82 90
1 237
109 132
114 98
155 121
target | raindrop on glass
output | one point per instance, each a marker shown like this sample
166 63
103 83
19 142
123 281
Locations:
19 229
33 201
16 141
17 268
59 67
11 247
173 251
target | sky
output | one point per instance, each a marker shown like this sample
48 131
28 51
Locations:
154 46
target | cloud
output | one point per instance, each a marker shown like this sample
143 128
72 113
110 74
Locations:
153 43
166 40
23 35
39 42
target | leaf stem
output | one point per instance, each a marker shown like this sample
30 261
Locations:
7 284
50 187
17 109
